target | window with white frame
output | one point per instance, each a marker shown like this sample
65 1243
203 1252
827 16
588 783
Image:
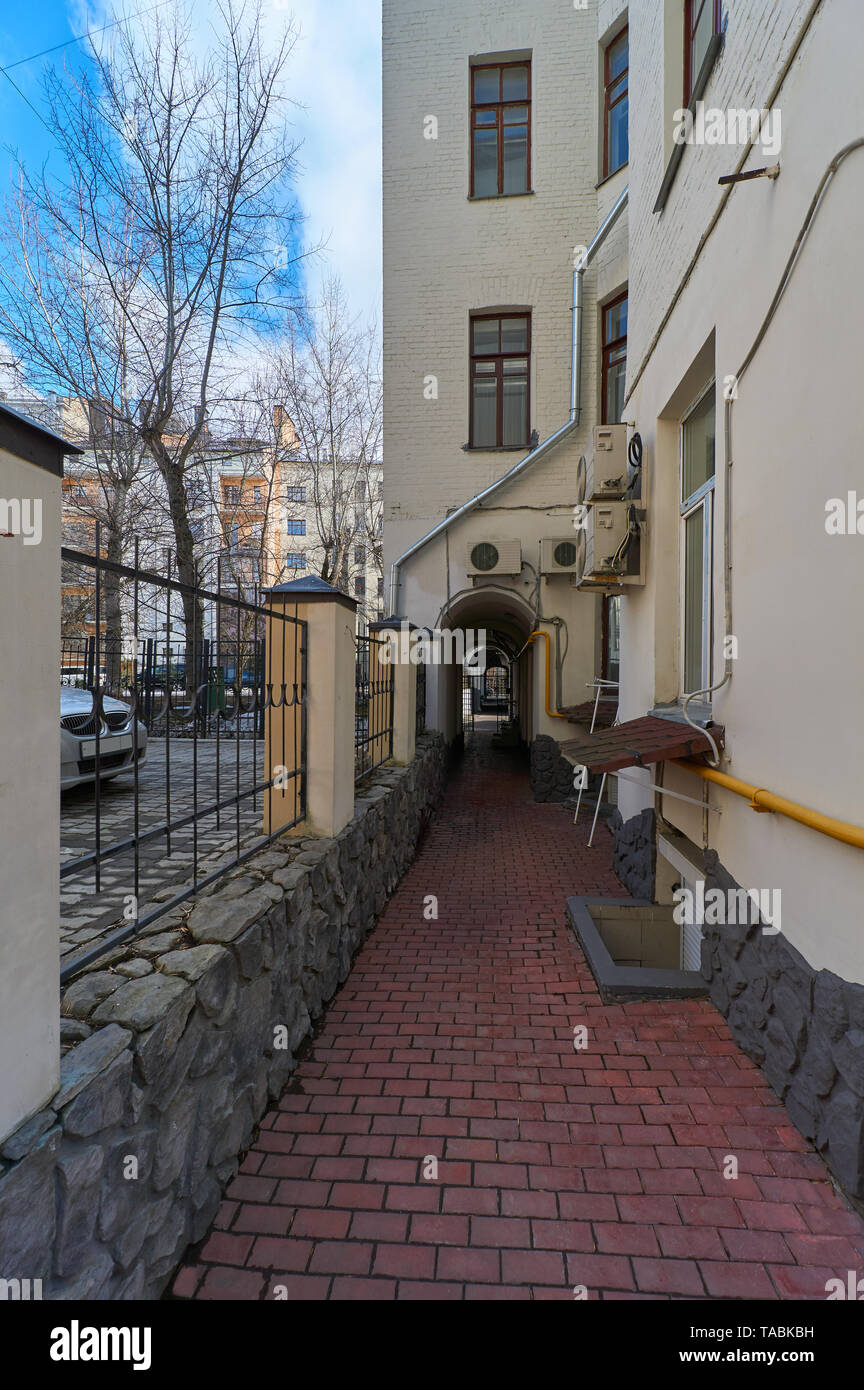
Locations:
697 542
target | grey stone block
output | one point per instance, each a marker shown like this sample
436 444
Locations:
218 921
94 1281
848 1057
102 1103
72 1031
254 949
212 1052
172 1143
156 1047
26 1136
87 1060
27 1212
844 1131
79 1176
139 1004
82 996
123 1194
829 1004
192 963
160 944
217 989
236 888
292 876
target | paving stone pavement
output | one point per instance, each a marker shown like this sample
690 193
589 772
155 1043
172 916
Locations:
452 1039
85 914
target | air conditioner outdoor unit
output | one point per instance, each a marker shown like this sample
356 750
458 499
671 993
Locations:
494 557
602 473
600 541
560 556
611 547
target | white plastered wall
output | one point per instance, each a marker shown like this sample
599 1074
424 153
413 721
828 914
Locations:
792 710
29 799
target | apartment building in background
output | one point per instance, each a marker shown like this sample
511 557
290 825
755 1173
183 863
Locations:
500 164
717 555
259 513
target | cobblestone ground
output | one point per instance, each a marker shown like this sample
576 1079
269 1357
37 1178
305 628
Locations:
453 1040
85 913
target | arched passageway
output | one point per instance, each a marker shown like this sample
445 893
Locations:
489 696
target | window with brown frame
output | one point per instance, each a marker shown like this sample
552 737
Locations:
616 150
500 129
500 381
702 20
614 359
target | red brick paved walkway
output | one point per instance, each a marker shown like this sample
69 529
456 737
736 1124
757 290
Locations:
454 1038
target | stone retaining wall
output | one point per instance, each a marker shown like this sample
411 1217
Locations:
178 1043
804 1028
634 851
551 775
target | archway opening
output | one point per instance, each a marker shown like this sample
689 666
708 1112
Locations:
490 695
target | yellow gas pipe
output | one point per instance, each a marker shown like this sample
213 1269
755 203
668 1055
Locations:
538 632
762 800
758 797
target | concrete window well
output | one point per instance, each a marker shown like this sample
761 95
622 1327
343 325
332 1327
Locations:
634 948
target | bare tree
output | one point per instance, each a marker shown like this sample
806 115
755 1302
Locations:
173 224
104 506
325 393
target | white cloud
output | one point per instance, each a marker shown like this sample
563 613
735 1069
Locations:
335 75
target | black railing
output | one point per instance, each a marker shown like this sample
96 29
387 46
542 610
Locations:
160 671
187 749
420 726
373 705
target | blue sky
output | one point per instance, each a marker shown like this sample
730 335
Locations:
335 75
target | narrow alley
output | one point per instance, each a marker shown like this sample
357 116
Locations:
559 1174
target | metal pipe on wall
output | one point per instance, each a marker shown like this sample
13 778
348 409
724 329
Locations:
580 266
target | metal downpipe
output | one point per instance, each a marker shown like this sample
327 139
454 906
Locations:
580 266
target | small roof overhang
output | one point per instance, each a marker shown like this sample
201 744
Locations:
35 443
638 743
603 712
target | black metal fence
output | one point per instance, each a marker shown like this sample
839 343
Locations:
193 747
159 669
373 705
420 726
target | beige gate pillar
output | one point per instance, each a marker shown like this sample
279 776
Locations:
31 469
325 801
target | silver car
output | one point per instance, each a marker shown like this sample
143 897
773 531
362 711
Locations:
121 738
